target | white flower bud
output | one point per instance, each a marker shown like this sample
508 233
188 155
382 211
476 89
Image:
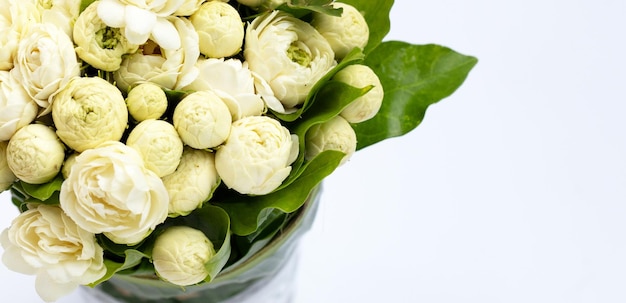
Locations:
158 144
202 120
220 29
334 134
146 101
6 175
366 106
192 182
88 112
97 44
180 253
257 156
17 108
67 165
344 33
35 154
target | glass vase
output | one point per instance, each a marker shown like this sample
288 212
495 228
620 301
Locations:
266 277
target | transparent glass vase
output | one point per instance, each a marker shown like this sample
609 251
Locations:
266 277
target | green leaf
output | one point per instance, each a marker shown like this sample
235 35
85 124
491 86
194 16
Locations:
354 57
376 14
132 259
84 4
246 212
300 8
332 99
413 77
44 191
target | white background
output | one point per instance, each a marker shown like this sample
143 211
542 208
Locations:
511 190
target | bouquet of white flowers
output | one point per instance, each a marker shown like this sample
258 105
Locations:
167 144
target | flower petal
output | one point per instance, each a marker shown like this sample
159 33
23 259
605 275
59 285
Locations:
112 13
165 34
139 24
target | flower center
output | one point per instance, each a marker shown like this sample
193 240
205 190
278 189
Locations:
108 37
299 55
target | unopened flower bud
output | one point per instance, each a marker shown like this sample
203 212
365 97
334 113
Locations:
220 29
146 101
344 33
158 144
35 154
366 106
180 253
202 120
6 175
334 134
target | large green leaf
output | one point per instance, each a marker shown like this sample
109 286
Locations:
247 212
376 14
132 259
413 77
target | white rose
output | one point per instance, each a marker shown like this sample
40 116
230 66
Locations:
180 254
43 241
289 54
171 69
366 106
146 101
110 191
231 77
344 33
192 183
158 144
142 20
257 156
202 120
88 112
17 109
335 134
61 13
14 16
45 62
35 154
219 28
6 175
97 44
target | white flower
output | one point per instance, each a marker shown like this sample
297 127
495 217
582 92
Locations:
146 101
180 254
67 165
14 16
289 54
171 69
35 154
110 191
158 144
202 120
61 13
192 183
233 78
17 109
43 241
6 175
97 44
45 62
219 28
366 106
143 20
88 112
344 33
335 134
257 156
